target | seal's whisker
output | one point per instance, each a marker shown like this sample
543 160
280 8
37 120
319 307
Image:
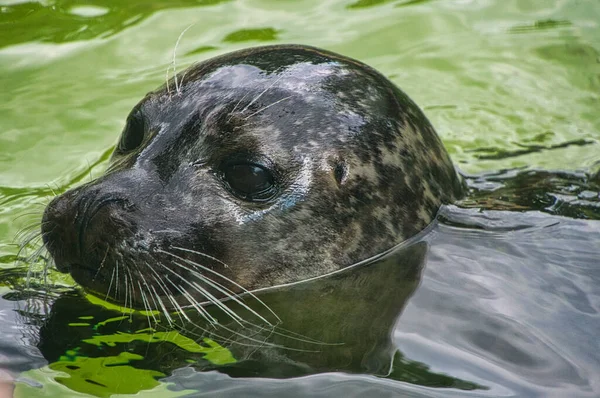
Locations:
205 314
265 339
222 339
35 256
169 296
289 334
101 263
29 237
126 293
23 256
214 284
25 231
200 275
117 280
51 189
212 299
224 277
156 305
199 308
148 286
262 92
180 312
182 78
26 214
273 330
45 275
280 332
162 305
225 340
45 233
206 294
264 343
232 113
26 242
300 337
38 252
227 292
149 311
216 273
30 268
222 288
29 213
34 242
89 169
178 86
245 337
146 304
112 278
267 107
131 291
168 91
164 288
201 254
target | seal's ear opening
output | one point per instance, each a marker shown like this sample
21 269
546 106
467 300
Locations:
340 170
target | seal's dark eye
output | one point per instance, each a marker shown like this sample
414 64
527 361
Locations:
250 181
133 134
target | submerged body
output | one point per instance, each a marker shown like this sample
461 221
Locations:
254 169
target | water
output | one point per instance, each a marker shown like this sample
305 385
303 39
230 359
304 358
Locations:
500 298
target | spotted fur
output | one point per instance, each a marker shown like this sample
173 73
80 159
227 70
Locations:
359 169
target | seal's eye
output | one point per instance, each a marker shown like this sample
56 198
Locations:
133 134
250 181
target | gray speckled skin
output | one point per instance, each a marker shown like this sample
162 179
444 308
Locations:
359 169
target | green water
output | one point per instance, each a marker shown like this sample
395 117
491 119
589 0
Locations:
507 83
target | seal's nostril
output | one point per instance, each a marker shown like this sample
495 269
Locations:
108 200
58 231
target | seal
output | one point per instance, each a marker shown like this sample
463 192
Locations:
257 168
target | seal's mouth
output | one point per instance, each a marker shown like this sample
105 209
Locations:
104 242
87 276
83 273
152 279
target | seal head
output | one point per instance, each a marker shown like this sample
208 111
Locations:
257 168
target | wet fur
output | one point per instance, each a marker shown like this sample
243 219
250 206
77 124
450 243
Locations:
359 166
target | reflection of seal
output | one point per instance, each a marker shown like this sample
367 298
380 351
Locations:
325 313
260 167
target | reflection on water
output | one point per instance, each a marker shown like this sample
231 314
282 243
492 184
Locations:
338 323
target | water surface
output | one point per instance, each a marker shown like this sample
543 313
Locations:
500 298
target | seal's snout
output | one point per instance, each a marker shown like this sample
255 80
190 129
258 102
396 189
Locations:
78 222
59 231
